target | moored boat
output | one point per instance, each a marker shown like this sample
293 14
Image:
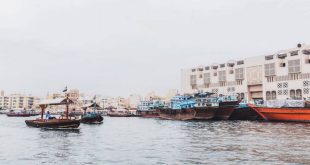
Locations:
206 106
227 104
244 112
181 108
285 110
22 113
119 112
150 109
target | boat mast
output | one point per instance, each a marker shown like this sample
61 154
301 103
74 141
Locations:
67 106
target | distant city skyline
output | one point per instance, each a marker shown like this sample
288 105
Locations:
118 48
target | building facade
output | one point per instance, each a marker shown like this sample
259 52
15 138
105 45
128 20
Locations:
284 74
18 101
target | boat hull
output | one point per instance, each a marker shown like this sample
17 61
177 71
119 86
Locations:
205 113
118 115
54 123
225 110
244 113
284 114
20 115
171 114
149 114
92 120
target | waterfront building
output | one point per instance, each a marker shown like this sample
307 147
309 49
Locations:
280 75
18 101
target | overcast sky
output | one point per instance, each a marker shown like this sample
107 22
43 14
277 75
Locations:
122 47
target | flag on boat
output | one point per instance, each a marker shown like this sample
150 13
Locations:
65 90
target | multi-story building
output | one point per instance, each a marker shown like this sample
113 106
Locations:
18 101
281 75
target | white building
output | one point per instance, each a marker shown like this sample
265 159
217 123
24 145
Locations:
18 101
284 74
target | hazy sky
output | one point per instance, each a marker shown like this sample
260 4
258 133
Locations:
119 47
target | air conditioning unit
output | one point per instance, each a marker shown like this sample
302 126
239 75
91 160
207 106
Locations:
282 64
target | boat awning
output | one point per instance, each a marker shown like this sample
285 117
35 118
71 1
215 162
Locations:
89 105
58 101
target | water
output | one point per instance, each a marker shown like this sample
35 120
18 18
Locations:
155 141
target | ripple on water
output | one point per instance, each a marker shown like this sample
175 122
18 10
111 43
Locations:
155 141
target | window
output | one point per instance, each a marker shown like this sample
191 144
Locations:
193 70
294 53
242 95
273 95
239 74
298 94
292 94
193 79
222 65
270 57
270 69
222 75
306 51
200 69
294 66
207 68
240 62
268 95
207 78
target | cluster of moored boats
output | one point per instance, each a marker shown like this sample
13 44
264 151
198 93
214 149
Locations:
210 106
200 106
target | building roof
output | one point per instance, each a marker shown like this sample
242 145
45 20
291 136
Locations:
57 101
91 105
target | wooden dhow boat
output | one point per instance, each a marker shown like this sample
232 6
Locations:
227 105
150 108
181 108
91 117
60 123
22 113
119 112
206 106
284 110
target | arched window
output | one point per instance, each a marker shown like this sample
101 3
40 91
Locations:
298 94
292 94
242 95
273 95
268 95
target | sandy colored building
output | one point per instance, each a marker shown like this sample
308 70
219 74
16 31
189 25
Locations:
281 75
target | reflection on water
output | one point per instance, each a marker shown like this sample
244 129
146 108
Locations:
155 141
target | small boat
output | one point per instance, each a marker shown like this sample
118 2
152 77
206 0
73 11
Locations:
244 112
91 117
284 110
22 113
61 123
119 112
206 106
227 105
181 108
